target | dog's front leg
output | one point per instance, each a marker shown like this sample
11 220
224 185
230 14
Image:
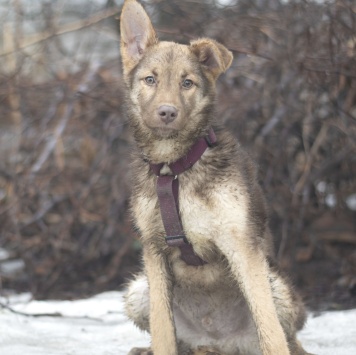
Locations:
161 292
249 267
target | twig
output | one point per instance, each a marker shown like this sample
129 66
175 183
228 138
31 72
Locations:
248 52
54 315
331 163
307 168
71 27
47 206
49 147
330 71
273 121
58 131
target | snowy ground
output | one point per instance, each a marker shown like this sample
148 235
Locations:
98 326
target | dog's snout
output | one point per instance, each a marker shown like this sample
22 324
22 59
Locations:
167 113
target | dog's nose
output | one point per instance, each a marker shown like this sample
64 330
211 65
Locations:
167 113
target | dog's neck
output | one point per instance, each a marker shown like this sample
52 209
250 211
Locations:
187 160
166 150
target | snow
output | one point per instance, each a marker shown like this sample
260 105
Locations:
87 327
98 325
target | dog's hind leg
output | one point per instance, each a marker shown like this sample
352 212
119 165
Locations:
137 308
290 310
137 300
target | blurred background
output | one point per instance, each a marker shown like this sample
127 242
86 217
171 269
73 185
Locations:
289 97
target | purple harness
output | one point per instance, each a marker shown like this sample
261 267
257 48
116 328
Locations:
167 191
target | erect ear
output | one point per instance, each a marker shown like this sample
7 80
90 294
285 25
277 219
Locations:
212 55
137 34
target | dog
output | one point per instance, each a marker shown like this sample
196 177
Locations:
210 283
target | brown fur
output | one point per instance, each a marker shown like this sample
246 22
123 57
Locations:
238 303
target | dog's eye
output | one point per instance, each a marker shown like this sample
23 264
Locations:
187 83
150 80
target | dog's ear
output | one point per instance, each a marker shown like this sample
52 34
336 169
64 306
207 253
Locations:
137 34
212 55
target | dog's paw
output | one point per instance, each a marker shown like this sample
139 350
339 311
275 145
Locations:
140 351
206 351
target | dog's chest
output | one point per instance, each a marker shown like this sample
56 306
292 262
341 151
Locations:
197 213
211 210
203 209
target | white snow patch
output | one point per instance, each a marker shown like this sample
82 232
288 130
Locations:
331 333
98 326
88 327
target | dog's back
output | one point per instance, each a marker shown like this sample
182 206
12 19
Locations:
236 302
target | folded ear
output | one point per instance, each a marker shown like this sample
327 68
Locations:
137 34
212 55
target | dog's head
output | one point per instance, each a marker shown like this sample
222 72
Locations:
171 86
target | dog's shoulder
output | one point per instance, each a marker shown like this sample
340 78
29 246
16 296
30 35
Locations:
230 161
227 173
143 181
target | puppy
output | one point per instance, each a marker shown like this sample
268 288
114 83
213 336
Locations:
210 284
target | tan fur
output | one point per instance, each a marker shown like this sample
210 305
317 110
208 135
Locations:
238 303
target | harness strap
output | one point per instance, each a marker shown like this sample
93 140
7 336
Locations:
167 191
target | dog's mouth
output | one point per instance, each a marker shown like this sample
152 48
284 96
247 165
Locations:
165 132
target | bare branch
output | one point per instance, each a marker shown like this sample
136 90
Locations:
71 27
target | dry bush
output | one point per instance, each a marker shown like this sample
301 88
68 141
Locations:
64 179
290 97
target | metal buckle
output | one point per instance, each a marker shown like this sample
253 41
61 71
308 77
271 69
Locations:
210 138
176 240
